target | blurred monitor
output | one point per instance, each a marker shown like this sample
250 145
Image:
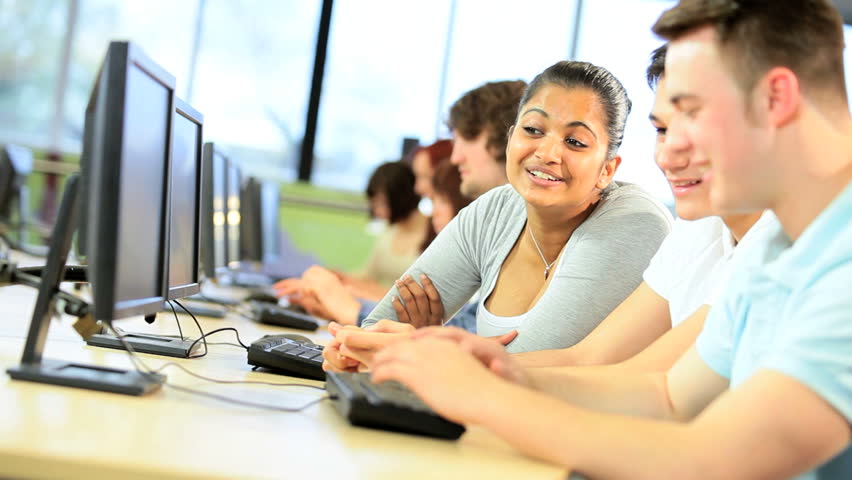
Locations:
128 184
185 197
214 256
270 201
251 235
232 193
16 163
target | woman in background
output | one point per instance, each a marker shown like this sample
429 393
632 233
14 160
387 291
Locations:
392 199
326 296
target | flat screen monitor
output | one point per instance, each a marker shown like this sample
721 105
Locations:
251 236
184 199
16 163
128 173
214 256
270 201
233 215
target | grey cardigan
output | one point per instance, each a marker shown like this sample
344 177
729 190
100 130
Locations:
601 265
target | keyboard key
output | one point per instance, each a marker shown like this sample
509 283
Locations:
296 351
286 348
309 354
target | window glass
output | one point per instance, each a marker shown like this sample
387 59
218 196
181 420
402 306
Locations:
163 29
253 80
623 44
382 84
506 40
30 50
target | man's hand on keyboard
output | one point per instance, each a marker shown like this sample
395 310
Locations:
440 372
420 305
490 351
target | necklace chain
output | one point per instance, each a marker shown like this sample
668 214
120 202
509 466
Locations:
547 266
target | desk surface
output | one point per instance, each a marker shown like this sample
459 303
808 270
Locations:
60 432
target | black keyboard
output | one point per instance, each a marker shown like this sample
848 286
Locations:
272 314
283 355
386 406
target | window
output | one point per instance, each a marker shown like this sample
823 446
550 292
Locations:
253 80
30 50
623 44
163 29
506 41
382 84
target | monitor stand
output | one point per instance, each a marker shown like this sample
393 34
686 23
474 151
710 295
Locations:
33 367
145 343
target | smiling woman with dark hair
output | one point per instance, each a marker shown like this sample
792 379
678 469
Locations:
561 246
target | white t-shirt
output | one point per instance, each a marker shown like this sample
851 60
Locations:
693 265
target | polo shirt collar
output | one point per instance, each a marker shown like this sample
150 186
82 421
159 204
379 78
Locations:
790 263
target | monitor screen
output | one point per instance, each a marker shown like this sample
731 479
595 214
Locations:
270 200
220 252
184 200
251 241
128 184
233 214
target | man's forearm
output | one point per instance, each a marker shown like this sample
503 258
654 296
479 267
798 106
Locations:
596 444
545 358
605 388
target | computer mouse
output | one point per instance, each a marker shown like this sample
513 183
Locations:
261 297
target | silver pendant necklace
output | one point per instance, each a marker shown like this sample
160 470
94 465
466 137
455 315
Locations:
547 266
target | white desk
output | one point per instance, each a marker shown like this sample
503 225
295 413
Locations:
59 432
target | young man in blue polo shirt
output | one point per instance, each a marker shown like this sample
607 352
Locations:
766 392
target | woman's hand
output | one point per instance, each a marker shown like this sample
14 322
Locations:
421 305
353 348
333 359
363 344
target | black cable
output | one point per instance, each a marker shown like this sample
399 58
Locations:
147 372
203 337
223 329
231 382
264 406
177 320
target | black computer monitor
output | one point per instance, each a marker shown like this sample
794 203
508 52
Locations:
251 235
185 198
128 173
214 255
16 163
270 201
129 130
233 215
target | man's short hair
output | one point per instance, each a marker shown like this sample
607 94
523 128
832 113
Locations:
657 67
491 108
754 36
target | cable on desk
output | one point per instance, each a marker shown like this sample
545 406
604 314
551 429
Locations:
203 337
148 372
251 404
177 320
223 329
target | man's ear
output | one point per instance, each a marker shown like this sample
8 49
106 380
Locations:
781 94
608 171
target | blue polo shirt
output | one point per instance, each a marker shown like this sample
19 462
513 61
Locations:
788 308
